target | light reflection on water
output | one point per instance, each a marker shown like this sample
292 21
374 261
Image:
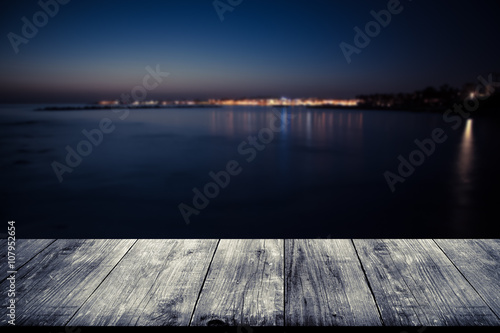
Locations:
462 190
321 174
317 127
466 156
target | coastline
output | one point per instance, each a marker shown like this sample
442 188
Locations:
114 107
487 109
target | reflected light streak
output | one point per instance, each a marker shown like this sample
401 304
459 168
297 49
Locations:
461 214
309 127
466 153
284 121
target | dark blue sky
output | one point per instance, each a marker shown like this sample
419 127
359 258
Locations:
94 50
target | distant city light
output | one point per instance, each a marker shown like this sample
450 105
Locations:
283 101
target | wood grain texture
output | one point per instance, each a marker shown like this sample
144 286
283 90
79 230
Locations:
244 285
25 250
257 282
414 283
53 286
157 283
325 285
479 261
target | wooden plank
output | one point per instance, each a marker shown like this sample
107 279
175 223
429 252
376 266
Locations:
325 285
414 283
157 283
244 285
25 250
479 261
54 285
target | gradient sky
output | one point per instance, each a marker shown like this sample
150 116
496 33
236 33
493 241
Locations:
95 50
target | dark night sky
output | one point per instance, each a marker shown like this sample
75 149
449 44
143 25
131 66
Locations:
97 50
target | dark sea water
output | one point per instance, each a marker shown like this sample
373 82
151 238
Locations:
319 174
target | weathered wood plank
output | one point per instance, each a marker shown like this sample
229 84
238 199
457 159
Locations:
157 283
325 285
53 285
25 250
479 261
244 285
414 283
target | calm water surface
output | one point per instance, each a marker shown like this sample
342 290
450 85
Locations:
321 174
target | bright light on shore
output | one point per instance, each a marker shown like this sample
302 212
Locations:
252 102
